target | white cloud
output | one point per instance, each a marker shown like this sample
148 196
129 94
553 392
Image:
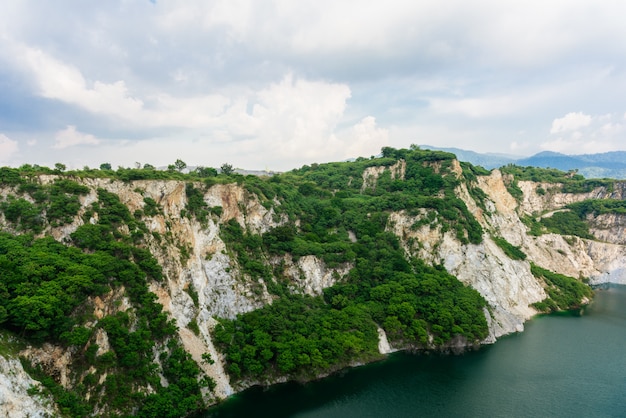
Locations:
612 129
570 122
293 119
70 137
585 134
365 138
279 83
285 124
486 105
60 81
8 148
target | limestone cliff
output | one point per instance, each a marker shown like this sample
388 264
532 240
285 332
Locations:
20 395
203 279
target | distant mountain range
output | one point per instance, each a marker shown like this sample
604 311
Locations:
608 164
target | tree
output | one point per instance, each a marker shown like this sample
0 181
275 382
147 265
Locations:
227 169
180 165
206 171
60 167
105 166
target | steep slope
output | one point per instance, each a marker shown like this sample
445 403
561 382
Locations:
375 248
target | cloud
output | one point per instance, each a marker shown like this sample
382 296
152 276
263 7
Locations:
570 122
488 104
294 119
70 137
8 148
365 138
280 84
60 81
476 107
579 133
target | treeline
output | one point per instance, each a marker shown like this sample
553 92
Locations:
176 171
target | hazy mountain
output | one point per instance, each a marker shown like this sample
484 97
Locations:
487 160
608 164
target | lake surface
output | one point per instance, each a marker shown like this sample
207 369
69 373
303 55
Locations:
562 365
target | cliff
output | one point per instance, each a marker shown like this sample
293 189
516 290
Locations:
221 250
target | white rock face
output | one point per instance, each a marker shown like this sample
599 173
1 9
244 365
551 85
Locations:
311 276
196 261
611 262
383 344
507 285
609 228
15 402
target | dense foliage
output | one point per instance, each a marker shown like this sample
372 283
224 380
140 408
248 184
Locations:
570 182
303 336
574 219
566 223
46 287
512 251
300 336
338 212
597 207
564 292
56 203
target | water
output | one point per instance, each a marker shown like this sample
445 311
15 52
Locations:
560 366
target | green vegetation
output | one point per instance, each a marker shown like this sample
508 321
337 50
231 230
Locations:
409 301
566 223
248 251
597 207
298 336
47 288
573 220
534 227
337 212
511 184
196 205
10 344
564 292
303 336
24 174
56 203
571 181
339 219
511 251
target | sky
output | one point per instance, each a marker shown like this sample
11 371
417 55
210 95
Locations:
277 84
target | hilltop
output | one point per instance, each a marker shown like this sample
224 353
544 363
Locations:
148 292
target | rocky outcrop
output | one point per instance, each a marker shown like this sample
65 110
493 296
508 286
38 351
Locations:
203 280
371 174
20 395
609 228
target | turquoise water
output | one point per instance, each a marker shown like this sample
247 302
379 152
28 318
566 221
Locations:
560 366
